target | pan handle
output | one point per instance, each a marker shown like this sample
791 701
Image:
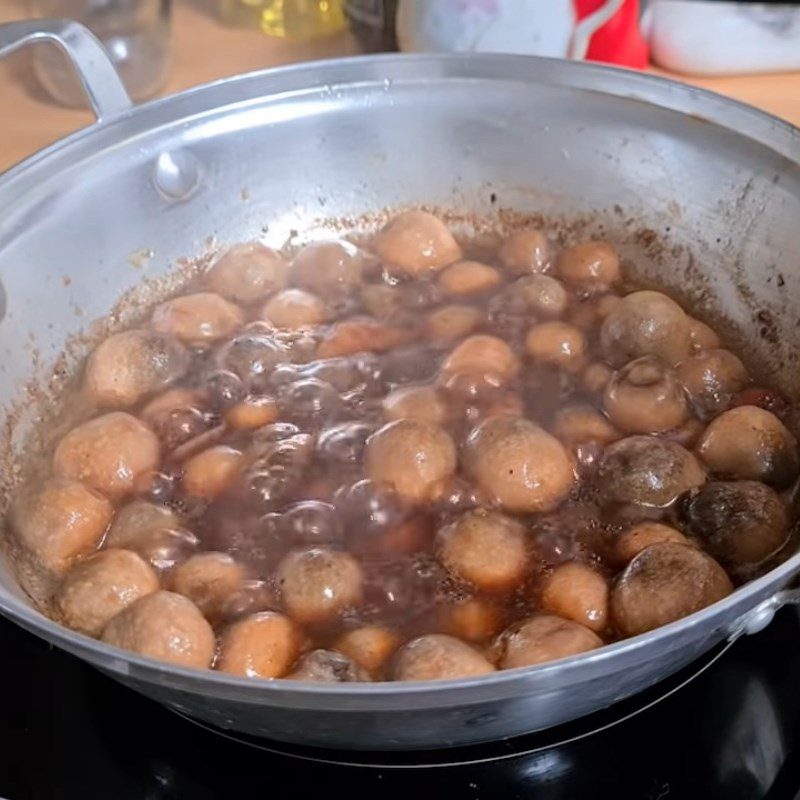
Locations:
92 63
759 617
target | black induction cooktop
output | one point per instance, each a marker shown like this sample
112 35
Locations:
732 731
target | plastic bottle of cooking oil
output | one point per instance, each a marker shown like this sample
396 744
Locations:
290 19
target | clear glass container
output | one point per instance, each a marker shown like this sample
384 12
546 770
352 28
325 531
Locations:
289 19
373 23
136 34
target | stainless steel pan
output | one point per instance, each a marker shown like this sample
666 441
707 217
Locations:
702 193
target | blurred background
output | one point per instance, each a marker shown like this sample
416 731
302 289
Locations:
750 51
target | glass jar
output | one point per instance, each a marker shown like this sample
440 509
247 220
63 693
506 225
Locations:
373 23
136 34
289 19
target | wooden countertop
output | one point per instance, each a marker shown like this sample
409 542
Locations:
204 50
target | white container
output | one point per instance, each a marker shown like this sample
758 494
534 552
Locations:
701 37
508 26
521 27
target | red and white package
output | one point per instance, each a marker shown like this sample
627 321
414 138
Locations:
597 30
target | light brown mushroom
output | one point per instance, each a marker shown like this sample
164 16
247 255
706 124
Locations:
437 656
127 366
59 521
108 453
645 396
482 355
518 465
558 344
576 591
415 458
592 263
468 277
526 251
370 646
327 267
423 403
263 645
100 586
247 272
294 308
209 580
416 242
485 548
165 626
198 318
319 584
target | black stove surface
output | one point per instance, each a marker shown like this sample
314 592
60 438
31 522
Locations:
732 732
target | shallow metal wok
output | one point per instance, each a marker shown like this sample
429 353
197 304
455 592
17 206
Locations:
702 193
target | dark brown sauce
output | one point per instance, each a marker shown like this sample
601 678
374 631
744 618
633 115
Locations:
302 482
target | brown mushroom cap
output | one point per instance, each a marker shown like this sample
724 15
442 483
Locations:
640 536
136 517
452 322
423 403
153 532
712 378
437 656
542 638
543 295
646 324
664 583
596 376
211 471
648 471
294 308
474 619
750 443
702 336
740 523
575 425
645 397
